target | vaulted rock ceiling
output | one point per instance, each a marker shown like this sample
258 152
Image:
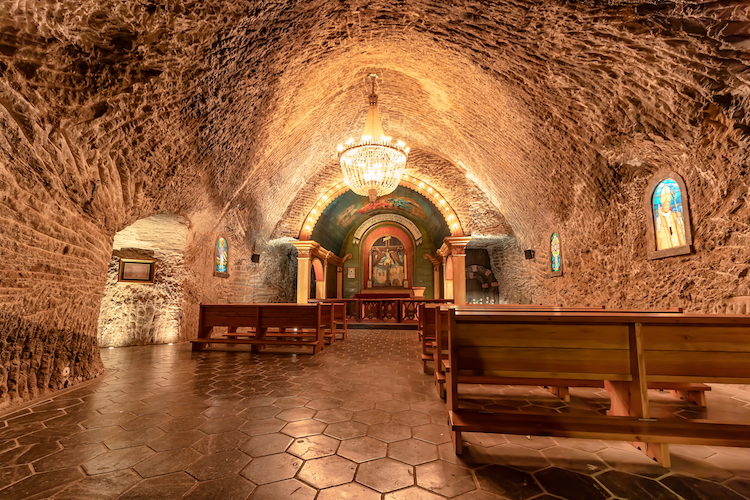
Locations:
545 105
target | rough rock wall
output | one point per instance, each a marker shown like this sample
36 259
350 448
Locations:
54 258
273 279
605 254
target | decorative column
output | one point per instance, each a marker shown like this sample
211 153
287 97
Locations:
458 254
435 273
303 269
324 294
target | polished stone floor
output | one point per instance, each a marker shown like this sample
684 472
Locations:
357 421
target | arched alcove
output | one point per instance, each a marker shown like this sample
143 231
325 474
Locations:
146 313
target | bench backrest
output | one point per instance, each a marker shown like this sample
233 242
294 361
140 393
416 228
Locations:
261 315
700 348
534 347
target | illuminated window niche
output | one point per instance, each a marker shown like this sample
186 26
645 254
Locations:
555 255
221 258
669 232
136 271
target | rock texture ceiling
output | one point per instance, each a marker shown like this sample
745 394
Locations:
546 106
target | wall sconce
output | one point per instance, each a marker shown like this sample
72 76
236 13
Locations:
529 254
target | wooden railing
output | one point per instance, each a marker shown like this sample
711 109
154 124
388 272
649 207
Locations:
383 310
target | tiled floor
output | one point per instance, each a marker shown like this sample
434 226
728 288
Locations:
357 421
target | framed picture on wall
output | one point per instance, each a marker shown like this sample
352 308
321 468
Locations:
351 273
136 271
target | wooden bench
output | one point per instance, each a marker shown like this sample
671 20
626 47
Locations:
695 393
428 321
270 324
625 350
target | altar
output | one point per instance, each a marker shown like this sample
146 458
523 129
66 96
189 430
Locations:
383 295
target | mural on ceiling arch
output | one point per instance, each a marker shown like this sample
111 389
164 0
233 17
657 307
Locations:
395 203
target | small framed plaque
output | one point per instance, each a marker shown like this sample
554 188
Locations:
351 273
136 271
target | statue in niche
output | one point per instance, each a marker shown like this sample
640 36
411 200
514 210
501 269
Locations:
668 219
388 262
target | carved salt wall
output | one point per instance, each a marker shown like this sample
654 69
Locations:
147 313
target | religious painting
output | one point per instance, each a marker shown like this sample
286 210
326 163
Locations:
669 228
555 255
397 203
222 256
347 215
388 262
669 223
136 271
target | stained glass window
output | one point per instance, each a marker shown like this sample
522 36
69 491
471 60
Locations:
556 262
669 224
221 255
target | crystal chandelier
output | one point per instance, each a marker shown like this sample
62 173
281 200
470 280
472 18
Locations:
373 166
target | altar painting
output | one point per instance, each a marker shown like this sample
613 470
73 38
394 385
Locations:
388 262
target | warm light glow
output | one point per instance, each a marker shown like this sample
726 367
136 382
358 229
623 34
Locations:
373 163
421 185
307 228
442 202
309 219
110 347
170 343
429 190
455 226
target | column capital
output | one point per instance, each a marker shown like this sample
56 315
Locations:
304 248
457 244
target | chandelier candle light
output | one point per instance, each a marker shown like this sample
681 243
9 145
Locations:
373 166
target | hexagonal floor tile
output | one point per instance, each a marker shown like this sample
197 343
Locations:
385 475
328 471
389 432
234 487
411 418
216 443
265 426
346 430
371 417
266 444
417 493
167 462
349 491
432 433
219 425
294 414
272 468
311 447
218 465
362 449
507 482
445 478
413 451
333 415
175 440
392 406
291 488
116 459
303 428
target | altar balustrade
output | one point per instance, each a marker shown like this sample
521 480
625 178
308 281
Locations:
383 310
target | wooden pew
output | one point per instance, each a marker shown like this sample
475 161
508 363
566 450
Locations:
271 324
428 322
625 350
691 392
